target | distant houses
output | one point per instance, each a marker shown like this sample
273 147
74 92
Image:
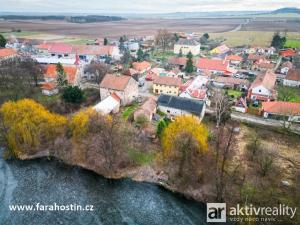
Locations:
178 106
125 87
7 53
185 46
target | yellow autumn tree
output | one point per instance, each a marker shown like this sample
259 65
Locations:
28 125
79 122
183 137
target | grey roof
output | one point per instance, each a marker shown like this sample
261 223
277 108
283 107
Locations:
190 42
186 104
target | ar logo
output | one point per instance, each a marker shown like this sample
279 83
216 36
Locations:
216 212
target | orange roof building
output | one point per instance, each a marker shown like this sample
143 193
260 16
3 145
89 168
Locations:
125 87
141 66
51 73
275 110
6 53
262 88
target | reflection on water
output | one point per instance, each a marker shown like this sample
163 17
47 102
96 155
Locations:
115 202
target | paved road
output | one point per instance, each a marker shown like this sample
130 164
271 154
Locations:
257 120
239 27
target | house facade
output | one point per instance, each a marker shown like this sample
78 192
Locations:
125 87
166 85
287 111
292 79
262 88
177 106
187 45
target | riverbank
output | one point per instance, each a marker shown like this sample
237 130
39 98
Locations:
149 174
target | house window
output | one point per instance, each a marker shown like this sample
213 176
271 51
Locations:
66 55
259 90
168 111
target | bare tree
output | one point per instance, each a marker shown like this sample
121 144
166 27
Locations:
163 39
225 144
222 107
18 77
98 70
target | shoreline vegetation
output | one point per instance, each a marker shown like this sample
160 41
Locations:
235 163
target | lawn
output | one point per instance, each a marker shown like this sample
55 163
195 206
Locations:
234 93
129 110
293 93
292 43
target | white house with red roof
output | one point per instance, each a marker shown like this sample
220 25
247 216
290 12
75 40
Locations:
280 110
262 88
125 87
195 89
292 79
216 66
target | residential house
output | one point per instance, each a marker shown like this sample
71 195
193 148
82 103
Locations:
49 89
288 111
285 67
216 66
231 82
178 106
262 88
141 67
7 53
234 59
72 72
241 105
166 85
263 66
287 52
195 89
178 62
187 45
111 104
292 79
148 109
125 87
222 49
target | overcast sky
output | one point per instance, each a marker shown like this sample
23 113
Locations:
141 6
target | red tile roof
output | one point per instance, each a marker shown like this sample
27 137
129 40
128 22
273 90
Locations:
7 52
293 74
283 108
267 80
287 64
115 82
234 58
87 49
232 81
287 52
141 66
254 57
177 60
71 72
212 64
266 65
49 86
61 48
170 81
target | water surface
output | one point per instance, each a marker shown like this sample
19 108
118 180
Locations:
121 202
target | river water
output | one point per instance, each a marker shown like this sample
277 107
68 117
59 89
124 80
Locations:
121 202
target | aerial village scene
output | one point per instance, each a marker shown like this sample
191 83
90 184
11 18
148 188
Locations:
195 114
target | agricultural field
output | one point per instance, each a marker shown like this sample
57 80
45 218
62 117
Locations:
253 38
292 43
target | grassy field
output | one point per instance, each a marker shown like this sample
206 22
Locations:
292 43
129 110
234 93
253 38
